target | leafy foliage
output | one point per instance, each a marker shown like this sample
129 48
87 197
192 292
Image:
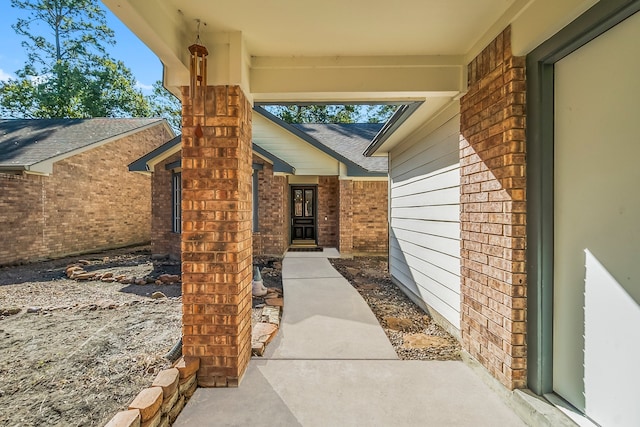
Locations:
69 73
338 113
165 104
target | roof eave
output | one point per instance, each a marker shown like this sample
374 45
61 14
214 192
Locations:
146 163
400 116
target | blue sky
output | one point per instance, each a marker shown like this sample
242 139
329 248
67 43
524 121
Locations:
146 67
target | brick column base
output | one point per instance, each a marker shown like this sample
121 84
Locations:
216 233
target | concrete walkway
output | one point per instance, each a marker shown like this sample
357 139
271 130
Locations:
332 365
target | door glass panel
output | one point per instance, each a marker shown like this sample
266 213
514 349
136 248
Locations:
308 202
297 202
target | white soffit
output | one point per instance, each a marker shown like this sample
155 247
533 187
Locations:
348 28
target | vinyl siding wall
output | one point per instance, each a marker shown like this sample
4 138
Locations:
425 216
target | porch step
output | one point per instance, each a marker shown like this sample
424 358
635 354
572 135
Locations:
304 244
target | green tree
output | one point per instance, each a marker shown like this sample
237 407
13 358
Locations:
338 113
165 104
69 73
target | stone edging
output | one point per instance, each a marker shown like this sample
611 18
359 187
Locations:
160 404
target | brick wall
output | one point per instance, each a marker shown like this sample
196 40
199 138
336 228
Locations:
493 209
272 237
345 242
369 226
163 240
21 215
217 233
90 202
328 208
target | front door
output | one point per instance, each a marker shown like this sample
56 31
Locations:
303 214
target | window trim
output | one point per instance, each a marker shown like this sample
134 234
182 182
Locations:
176 202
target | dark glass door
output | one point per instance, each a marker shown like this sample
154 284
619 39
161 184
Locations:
303 213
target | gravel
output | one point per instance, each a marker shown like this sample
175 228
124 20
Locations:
400 317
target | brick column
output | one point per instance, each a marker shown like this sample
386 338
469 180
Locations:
493 213
216 233
345 239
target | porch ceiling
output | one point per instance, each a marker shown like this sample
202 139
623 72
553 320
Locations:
340 51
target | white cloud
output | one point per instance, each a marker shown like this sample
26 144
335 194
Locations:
4 76
143 87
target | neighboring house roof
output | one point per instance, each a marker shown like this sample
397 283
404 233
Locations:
35 144
147 162
336 141
349 140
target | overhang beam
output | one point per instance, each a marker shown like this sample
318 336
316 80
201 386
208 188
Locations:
368 78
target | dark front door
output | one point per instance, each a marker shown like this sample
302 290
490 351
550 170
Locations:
303 214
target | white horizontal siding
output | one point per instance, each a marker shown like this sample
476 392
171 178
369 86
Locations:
425 218
305 158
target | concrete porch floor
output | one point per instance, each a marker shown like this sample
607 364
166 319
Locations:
332 365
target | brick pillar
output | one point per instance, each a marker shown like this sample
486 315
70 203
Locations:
345 239
493 213
216 233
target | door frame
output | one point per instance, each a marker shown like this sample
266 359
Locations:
600 18
315 208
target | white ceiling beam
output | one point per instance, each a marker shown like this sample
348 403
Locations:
337 77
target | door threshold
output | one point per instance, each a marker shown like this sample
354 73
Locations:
569 410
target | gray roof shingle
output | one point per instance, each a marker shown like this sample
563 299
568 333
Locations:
25 142
349 140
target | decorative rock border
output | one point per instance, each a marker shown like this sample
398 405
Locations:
77 272
269 321
99 305
160 404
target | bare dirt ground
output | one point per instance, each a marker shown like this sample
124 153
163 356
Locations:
78 352
74 353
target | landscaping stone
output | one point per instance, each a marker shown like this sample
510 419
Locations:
424 341
167 379
271 314
9 311
175 411
187 366
148 401
399 324
130 418
187 383
158 295
168 403
154 421
257 348
277 302
34 309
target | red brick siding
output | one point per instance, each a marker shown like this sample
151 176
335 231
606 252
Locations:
217 233
370 227
493 213
163 240
328 208
90 202
22 219
272 237
345 243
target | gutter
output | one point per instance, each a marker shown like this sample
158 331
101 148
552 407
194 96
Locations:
400 116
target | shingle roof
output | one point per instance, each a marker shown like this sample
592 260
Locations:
349 140
25 142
